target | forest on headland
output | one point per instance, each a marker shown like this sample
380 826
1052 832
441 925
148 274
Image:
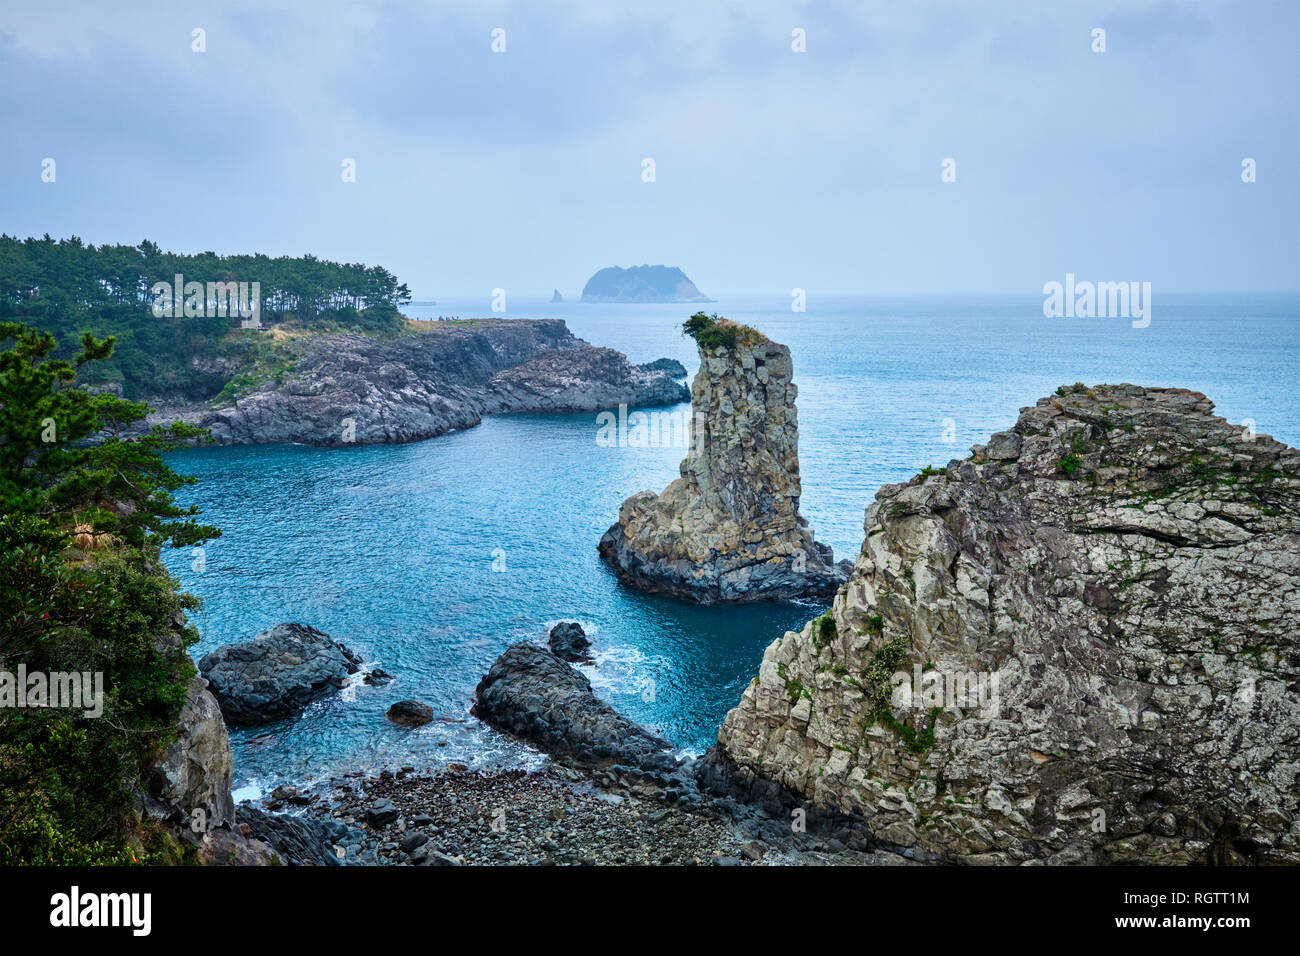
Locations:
67 287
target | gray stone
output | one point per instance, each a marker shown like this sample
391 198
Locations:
1140 610
410 713
1003 446
381 813
534 695
196 768
569 641
277 673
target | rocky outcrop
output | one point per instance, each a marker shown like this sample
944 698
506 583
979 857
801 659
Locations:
569 641
1082 644
349 388
584 379
641 284
673 367
195 771
556 297
299 840
533 695
277 673
729 528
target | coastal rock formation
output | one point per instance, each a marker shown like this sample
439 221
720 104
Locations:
195 771
641 284
584 379
299 840
674 368
532 694
348 388
1082 644
729 528
410 713
556 297
277 673
569 641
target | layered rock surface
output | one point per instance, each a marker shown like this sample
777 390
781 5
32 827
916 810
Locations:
358 389
1127 566
729 528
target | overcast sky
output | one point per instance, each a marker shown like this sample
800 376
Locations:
774 169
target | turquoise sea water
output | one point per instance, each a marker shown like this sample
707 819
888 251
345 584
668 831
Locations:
392 549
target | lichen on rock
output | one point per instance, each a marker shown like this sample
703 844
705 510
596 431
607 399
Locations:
1122 572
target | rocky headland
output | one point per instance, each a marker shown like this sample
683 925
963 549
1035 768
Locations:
1079 645
335 389
729 529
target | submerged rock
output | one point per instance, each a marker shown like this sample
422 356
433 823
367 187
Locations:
277 673
569 641
532 694
1080 645
729 528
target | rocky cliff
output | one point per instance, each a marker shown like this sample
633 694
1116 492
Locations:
729 528
1081 644
188 788
346 388
196 768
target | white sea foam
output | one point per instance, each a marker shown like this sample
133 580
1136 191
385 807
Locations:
250 791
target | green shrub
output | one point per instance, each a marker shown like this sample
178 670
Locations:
713 331
67 781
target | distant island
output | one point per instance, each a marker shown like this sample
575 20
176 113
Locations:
642 284
556 297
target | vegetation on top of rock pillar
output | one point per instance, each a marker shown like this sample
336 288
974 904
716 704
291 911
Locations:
714 331
82 591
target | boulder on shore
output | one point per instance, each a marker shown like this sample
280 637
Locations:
277 673
532 694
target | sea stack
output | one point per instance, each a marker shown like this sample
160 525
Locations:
1079 645
729 529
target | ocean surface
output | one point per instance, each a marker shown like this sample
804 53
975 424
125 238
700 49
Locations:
431 558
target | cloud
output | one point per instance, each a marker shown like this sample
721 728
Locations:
478 169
